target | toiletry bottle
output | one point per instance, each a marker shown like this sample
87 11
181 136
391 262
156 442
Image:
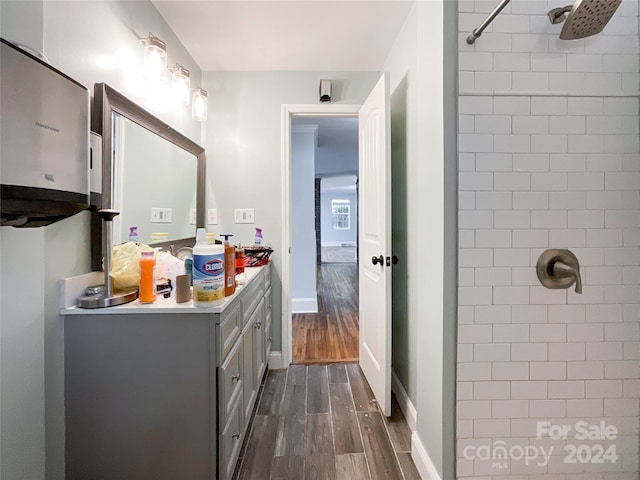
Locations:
239 260
147 292
133 234
208 272
229 266
258 240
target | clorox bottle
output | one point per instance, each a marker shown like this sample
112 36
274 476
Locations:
208 272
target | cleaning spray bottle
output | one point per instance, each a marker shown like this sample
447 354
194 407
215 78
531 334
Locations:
208 272
229 266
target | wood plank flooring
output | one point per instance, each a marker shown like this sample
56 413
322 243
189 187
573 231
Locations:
308 426
331 335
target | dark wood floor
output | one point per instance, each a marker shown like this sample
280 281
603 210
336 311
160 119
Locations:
331 335
321 422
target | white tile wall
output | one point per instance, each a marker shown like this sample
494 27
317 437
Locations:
549 158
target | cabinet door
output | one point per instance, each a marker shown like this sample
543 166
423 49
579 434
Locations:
250 392
230 442
258 344
268 339
231 381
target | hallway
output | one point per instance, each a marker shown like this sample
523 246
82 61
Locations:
322 422
331 335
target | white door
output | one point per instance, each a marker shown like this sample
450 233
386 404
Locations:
375 242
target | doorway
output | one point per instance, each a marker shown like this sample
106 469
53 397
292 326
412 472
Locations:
324 209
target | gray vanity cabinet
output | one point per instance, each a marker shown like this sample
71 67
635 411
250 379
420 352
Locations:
164 393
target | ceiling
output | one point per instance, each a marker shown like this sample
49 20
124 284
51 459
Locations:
302 35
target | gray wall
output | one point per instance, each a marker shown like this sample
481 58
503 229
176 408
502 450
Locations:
242 138
77 37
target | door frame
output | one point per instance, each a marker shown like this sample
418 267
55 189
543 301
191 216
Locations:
288 111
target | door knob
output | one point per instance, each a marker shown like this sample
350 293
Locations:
375 260
394 260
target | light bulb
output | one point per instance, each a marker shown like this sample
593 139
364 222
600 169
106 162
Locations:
180 85
155 59
200 105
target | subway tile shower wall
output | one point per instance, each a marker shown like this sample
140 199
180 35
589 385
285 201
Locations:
549 157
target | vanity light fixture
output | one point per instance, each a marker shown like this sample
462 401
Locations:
155 59
199 105
180 84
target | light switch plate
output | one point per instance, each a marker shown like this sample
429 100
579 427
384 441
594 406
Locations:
212 216
192 216
161 215
244 215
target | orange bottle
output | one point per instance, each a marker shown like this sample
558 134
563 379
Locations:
147 291
229 266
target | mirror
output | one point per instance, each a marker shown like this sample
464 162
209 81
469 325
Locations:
151 166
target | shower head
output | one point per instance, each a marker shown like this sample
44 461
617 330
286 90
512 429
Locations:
586 17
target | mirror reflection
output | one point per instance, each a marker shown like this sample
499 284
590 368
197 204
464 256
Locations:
154 186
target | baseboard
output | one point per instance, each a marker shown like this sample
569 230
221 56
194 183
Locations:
338 244
423 463
404 401
276 361
304 305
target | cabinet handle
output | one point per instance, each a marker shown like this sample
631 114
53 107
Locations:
236 377
236 436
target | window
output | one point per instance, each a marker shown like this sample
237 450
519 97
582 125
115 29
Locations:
340 214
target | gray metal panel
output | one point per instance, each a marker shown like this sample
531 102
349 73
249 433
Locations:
44 126
139 398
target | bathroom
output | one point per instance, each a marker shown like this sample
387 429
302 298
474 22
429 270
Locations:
422 62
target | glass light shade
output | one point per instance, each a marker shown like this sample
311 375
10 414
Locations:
199 105
180 85
155 59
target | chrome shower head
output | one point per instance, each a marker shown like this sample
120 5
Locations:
586 17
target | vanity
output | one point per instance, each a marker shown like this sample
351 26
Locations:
164 390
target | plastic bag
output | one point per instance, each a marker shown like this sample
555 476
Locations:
125 267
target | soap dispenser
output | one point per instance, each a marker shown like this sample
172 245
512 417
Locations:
229 266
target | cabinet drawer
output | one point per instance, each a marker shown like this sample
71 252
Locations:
251 299
228 331
230 385
230 442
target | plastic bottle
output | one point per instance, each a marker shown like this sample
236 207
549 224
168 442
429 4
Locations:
133 234
258 240
229 266
239 260
147 291
208 272
188 269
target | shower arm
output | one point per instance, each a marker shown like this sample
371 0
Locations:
478 31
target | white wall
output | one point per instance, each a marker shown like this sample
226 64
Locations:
242 139
329 236
549 158
303 233
77 37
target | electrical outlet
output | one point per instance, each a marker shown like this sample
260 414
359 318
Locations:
192 216
161 215
244 215
212 216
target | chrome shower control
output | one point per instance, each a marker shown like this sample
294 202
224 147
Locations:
559 268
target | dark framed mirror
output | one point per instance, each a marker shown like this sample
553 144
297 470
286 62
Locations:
148 168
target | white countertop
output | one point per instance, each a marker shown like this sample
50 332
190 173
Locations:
165 305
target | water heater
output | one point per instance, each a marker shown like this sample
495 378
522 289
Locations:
44 141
